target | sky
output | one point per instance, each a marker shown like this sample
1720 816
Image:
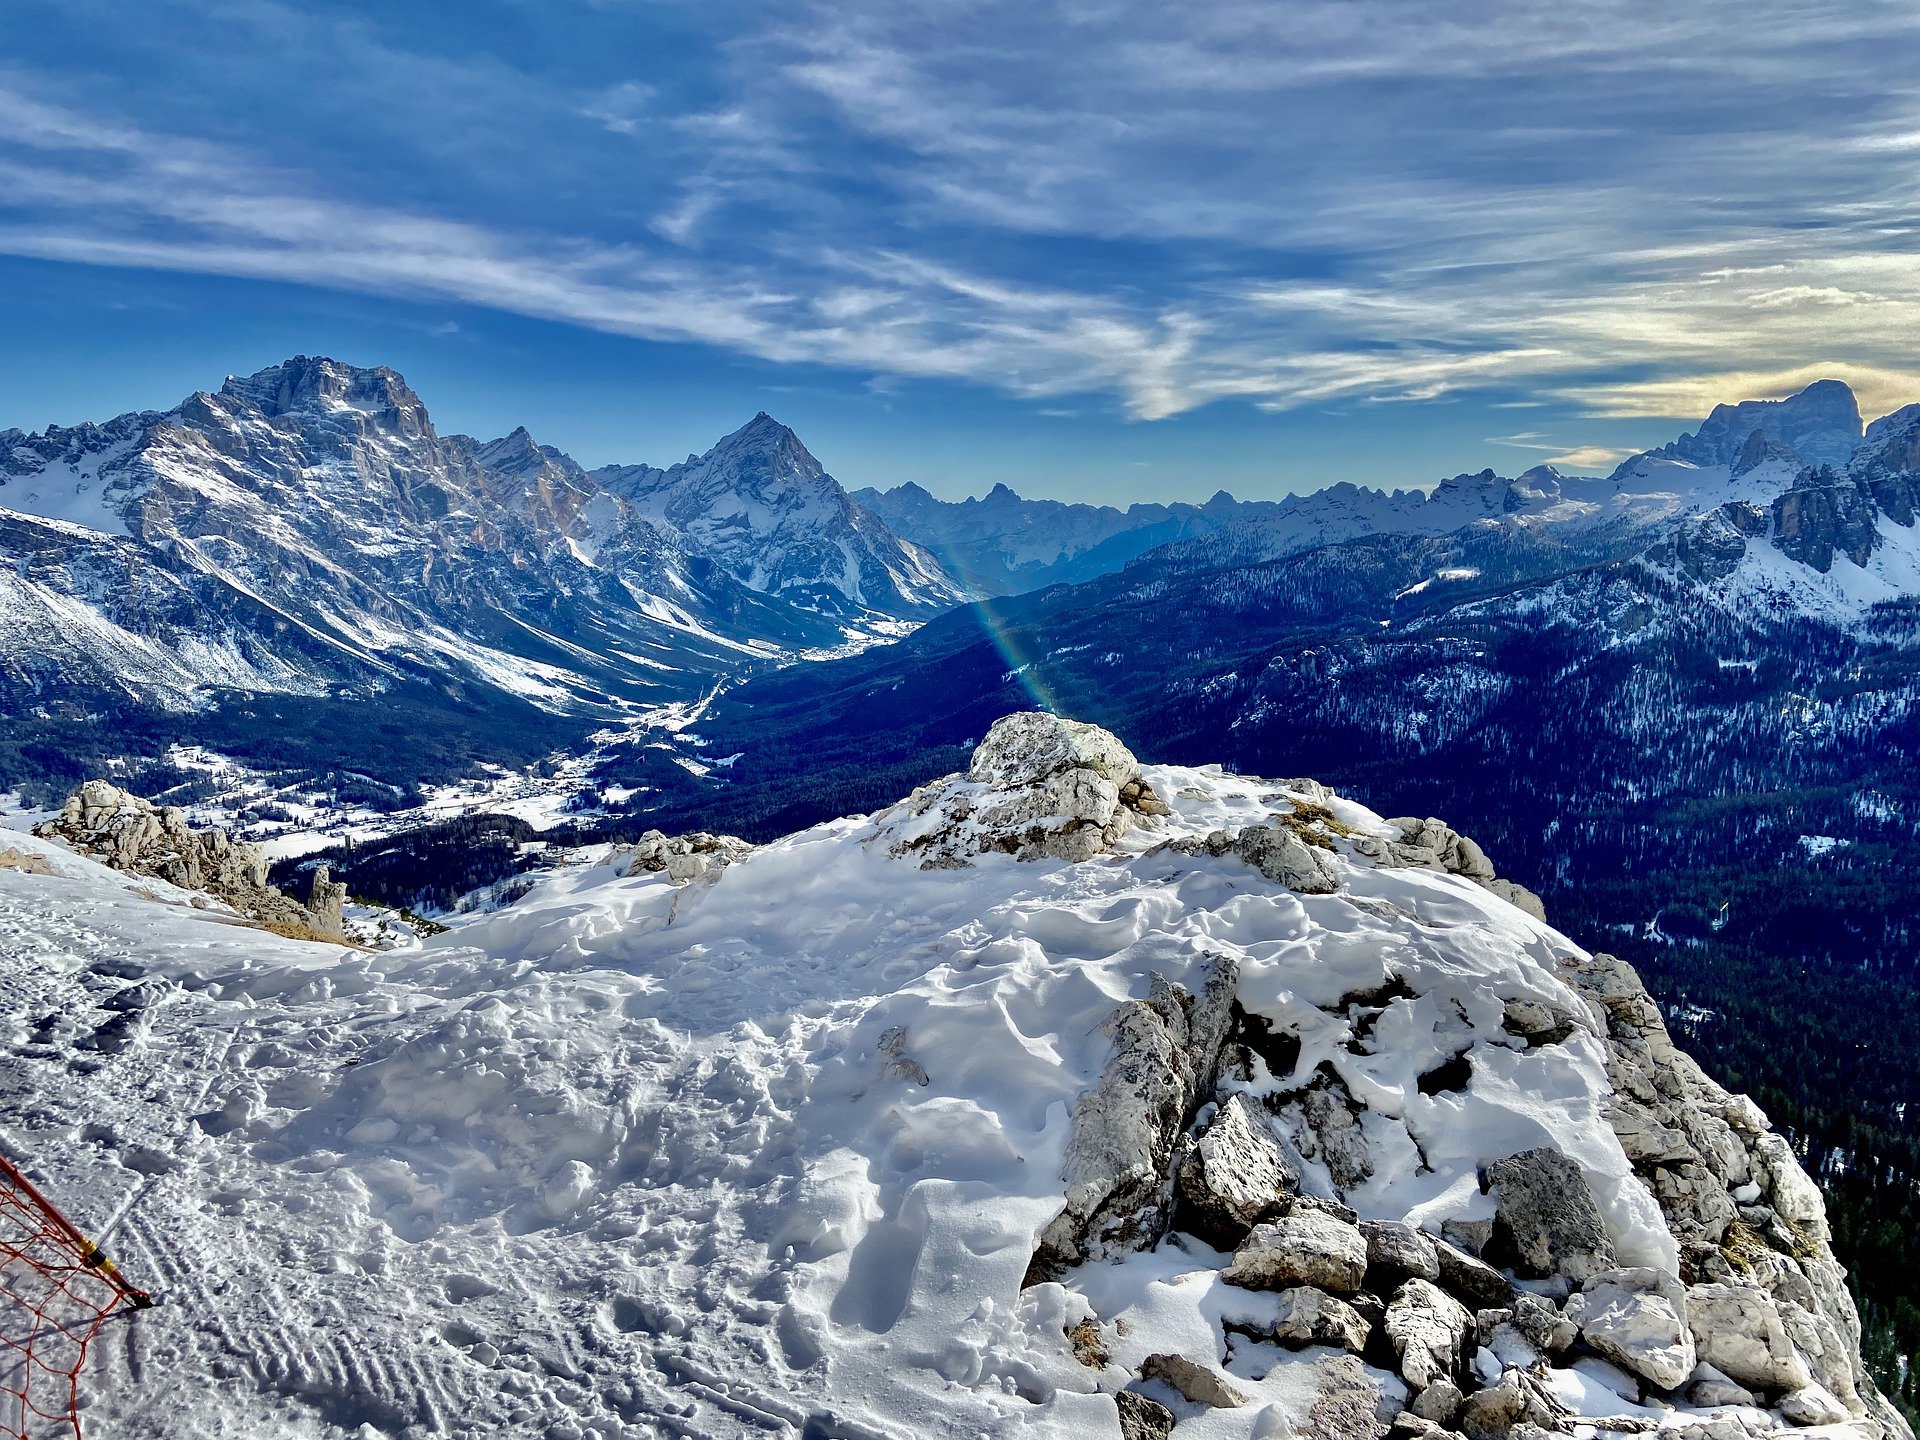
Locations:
1096 249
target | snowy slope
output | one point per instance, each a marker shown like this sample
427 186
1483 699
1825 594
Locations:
768 1155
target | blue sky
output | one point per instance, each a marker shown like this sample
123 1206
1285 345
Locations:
1096 249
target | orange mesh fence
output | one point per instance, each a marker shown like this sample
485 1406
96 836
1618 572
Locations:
56 1291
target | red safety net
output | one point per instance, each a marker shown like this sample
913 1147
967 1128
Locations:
56 1290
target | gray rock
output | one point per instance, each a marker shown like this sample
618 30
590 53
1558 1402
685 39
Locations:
1120 1151
1470 1236
1471 1280
1812 1405
131 834
1491 1414
1707 1387
1286 859
1548 1216
1233 1176
328 902
1440 1402
1395 1252
1637 1318
1142 1417
1409 1426
1039 787
1313 1317
1545 1327
1301 1249
1426 1327
1737 1329
1334 1135
698 855
1201 1385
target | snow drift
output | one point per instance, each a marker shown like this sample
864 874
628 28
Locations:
1265 1115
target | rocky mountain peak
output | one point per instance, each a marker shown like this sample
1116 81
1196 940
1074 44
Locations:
308 382
1820 424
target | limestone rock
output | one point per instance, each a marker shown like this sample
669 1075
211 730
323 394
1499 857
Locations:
1396 1252
1637 1318
1233 1176
1198 1383
1812 1405
1166 1049
1471 1279
1549 1217
1440 1402
1708 1387
1313 1317
1737 1329
1427 1328
1039 787
328 901
693 856
132 834
1301 1249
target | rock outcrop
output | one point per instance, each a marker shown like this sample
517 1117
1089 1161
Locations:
132 834
1039 787
1687 1270
1120 1156
698 855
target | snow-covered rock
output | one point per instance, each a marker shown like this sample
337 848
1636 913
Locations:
846 1146
1039 787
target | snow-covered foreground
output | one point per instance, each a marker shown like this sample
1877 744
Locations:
758 1156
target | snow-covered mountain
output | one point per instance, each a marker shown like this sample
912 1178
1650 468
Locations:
1005 544
761 506
1068 1097
305 531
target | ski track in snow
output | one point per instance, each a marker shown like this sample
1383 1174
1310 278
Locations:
628 1160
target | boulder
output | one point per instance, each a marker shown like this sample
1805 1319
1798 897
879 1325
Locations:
1637 1318
1440 1402
1548 1330
1301 1249
1284 858
1233 1175
1738 1330
1313 1317
1812 1405
1548 1217
1707 1387
1472 1280
1201 1385
1427 1328
1141 1417
1396 1252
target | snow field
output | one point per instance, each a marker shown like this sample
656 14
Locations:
761 1156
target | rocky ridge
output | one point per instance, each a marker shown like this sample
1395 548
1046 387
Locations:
132 834
1535 1312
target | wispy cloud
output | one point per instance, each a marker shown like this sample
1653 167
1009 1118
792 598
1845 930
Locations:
1639 209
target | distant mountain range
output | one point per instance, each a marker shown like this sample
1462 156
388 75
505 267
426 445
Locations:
300 567
305 535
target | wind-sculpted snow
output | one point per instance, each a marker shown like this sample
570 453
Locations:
769 1151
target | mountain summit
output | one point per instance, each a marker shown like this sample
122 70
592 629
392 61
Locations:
761 505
